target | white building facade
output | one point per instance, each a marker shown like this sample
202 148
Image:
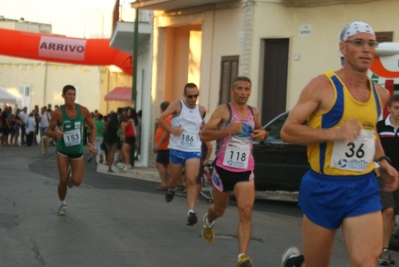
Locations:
279 44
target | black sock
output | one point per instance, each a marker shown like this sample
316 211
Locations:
295 261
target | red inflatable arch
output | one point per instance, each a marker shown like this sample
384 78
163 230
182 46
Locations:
63 49
378 69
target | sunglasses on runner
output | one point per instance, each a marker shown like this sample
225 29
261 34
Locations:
192 96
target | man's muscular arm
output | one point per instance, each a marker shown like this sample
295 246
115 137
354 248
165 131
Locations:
315 97
173 108
93 130
219 116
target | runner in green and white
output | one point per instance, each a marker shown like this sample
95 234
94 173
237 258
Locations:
66 126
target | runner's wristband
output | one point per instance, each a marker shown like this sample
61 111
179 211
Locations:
384 157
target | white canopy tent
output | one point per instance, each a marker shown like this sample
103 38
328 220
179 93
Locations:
6 97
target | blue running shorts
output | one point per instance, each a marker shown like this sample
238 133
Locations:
180 157
327 200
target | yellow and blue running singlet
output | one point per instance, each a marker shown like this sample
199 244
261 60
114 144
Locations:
345 158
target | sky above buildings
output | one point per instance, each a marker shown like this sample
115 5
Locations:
73 18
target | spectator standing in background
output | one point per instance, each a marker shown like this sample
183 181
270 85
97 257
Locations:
99 138
128 136
388 131
17 127
36 114
111 138
49 110
137 129
161 148
12 130
44 119
24 118
1 123
30 129
6 125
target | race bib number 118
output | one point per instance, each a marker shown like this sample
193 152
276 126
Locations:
236 156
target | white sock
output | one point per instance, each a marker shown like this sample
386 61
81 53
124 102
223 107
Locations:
210 225
188 212
239 255
63 202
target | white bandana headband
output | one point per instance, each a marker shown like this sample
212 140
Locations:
354 28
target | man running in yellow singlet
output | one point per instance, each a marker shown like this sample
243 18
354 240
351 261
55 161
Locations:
340 189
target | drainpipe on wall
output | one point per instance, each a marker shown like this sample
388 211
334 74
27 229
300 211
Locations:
134 73
135 54
210 69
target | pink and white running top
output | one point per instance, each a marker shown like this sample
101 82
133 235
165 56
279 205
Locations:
234 152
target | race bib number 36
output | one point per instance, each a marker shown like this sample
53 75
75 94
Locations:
356 155
236 156
72 138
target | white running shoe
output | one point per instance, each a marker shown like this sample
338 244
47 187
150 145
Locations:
288 254
62 210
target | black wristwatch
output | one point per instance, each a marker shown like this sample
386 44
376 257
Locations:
384 157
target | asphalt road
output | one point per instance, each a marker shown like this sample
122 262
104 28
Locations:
122 221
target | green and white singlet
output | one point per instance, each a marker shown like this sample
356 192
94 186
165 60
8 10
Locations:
72 139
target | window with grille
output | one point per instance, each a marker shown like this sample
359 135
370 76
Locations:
228 71
384 36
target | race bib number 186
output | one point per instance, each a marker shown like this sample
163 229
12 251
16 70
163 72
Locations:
188 139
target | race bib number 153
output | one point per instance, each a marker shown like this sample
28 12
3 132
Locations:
72 138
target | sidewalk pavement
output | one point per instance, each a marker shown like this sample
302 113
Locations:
137 172
151 174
